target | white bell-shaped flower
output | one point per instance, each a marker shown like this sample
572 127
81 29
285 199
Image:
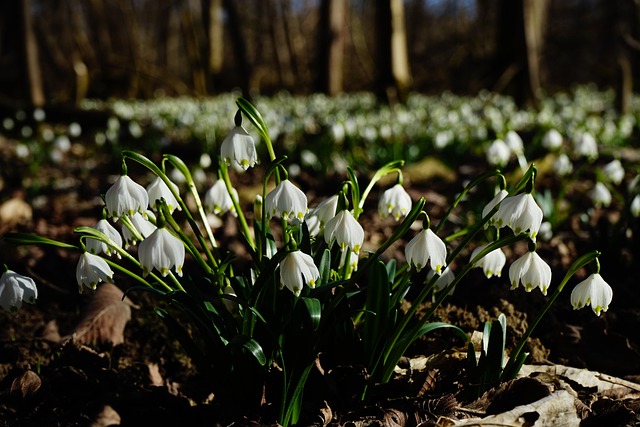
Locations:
600 195
443 280
395 201
157 190
585 145
593 291
520 213
425 247
635 206
562 165
318 217
286 201
142 225
91 270
514 142
240 148
614 171
97 247
162 251
16 289
344 230
552 140
126 197
493 203
492 263
217 199
296 269
532 271
498 153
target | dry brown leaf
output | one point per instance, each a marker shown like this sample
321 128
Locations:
107 417
15 211
154 374
26 385
104 318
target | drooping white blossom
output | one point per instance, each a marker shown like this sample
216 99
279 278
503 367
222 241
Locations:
162 251
240 148
142 225
395 201
157 190
562 165
286 201
425 247
585 145
520 213
344 230
600 195
614 171
217 199
16 289
97 247
593 291
498 153
296 270
492 263
126 197
531 271
91 270
318 217
552 140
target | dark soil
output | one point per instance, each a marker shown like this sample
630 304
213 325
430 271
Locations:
48 377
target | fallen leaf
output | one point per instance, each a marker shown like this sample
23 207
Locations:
15 211
107 417
26 385
105 317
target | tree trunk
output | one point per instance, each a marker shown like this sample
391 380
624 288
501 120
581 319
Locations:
239 48
394 76
332 38
33 74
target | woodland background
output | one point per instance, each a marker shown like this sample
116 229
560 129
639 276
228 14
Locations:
62 51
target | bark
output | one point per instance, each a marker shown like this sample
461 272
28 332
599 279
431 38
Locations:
240 51
332 39
34 86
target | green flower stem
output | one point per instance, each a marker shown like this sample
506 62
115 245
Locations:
134 276
485 176
126 221
390 167
177 163
224 172
393 351
577 265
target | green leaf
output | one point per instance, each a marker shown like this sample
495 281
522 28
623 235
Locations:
325 268
251 345
376 314
314 308
253 115
35 239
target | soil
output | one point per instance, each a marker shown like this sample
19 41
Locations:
55 373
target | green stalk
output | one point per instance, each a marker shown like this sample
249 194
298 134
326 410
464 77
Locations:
224 170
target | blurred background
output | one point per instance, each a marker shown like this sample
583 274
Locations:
63 51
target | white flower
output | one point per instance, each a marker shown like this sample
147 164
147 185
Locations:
125 197
426 246
91 270
491 263
585 145
218 200
286 201
395 201
162 251
14 289
552 140
318 217
296 269
614 171
593 291
239 147
520 213
158 189
562 165
96 246
493 203
142 226
443 280
514 142
345 230
600 195
532 271
498 153
635 206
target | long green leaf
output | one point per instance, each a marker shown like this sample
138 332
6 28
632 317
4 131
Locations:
315 310
35 239
376 314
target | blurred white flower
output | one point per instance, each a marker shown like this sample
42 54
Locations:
125 197
286 201
520 213
91 270
395 201
492 263
514 142
318 217
443 280
552 140
635 206
562 165
600 195
593 291
296 269
614 171
344 230
498 153
500 195
217 199
239 147
162 251
16 289
158 189
97 247
425 247
585 145
546 231
532 271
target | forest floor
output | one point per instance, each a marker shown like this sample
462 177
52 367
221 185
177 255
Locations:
55 371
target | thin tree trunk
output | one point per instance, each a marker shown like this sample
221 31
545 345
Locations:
239 48
35 89
332 39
